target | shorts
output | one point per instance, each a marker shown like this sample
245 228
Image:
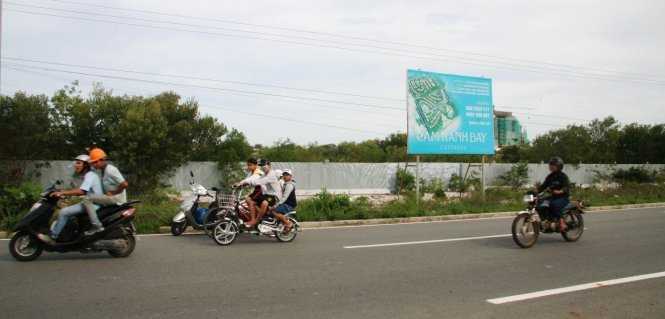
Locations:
271 199
284 209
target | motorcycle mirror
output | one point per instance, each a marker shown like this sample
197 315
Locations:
58 182
191 173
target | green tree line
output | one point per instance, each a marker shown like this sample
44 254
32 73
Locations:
148 137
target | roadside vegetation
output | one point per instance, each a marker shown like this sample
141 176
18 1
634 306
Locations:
149 136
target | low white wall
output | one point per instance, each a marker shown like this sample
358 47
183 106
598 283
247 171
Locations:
353 178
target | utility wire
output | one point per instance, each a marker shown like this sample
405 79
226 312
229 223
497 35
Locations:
198 78
458 60
229 90
248 83
330 34
22 67
96 14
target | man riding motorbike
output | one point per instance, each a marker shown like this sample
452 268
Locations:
271 195
559 185
91 185
113 185
288 202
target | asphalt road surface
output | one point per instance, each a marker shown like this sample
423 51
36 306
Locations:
426 270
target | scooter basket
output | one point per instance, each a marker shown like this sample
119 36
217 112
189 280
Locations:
226 200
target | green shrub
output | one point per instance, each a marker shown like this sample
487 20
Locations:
328 206
459 184
516 177
404 181
15 201
634 175
437 187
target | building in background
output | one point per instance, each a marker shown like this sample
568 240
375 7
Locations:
508 130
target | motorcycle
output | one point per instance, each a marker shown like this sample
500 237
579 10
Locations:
191 214
117 238
528 224
234 214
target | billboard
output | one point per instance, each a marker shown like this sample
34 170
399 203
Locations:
449 114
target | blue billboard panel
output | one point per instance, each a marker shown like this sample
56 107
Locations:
449 114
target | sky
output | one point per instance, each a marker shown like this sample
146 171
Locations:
331 71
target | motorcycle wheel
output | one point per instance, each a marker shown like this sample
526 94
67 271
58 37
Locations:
225 232
285 238
525 233
25 247
178 228
121 253
575 223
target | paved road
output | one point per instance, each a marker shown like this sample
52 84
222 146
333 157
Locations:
316 277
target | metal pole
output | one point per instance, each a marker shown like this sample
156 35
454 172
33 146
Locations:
418 181
1 46
482 178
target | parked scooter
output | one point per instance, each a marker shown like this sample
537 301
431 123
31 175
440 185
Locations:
191 214
117 238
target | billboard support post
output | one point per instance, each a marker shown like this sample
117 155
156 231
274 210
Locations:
482 179
418 182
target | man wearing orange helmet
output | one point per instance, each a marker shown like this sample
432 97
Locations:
113 185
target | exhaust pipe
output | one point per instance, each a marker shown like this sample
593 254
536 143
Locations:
110 244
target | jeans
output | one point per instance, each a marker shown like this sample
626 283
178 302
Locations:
102 200
557 205
63 217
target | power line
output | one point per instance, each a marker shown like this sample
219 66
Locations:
21 67
231 91
11 67
329 34
264 85
457 59
198 78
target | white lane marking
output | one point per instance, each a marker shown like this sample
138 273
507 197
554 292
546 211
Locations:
563 290
447 240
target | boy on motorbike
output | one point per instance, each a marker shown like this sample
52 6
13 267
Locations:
271 195
253 172
113 184
91 185
558 184
288 202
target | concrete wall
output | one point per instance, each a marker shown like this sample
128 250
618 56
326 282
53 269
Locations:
354 178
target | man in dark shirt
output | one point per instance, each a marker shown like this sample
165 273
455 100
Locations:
559 185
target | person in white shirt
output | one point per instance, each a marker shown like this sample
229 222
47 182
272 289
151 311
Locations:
272 191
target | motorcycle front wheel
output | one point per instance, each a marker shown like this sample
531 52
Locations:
575 223
25 247
225 232
525 232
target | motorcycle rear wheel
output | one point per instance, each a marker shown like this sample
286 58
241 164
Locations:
131 244
285 238
575 223
525 232
25 247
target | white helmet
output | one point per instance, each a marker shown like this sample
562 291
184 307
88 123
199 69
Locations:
83 158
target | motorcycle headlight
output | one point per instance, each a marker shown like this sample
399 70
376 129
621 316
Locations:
528 198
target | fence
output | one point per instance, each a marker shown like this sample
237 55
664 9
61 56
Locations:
354 178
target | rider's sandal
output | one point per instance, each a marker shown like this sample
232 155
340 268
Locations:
287 229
